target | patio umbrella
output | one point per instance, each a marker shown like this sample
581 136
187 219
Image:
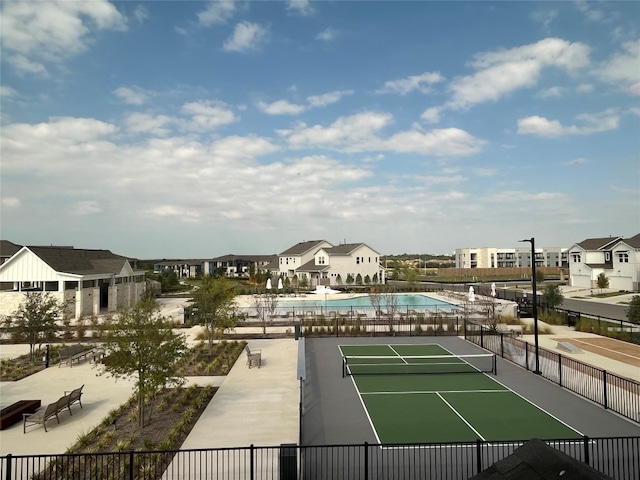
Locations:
324 289
268 284
493 289
472 295
280 286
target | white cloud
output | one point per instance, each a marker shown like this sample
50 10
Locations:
546 17
216 13
8 92
34 33
421 83
208 115
327 98
502 72
183 214
591 14
591 123
131 95
11 202
439 143
431 115
281 107
551 92
141 13
243 148
327 35
300 7
584 88
359 133
149 123
246 36
623 67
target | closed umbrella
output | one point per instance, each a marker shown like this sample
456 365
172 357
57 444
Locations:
493 289
472 295
268 284
280 286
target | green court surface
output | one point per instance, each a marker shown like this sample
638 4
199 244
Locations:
410 397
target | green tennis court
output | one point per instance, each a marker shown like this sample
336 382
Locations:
425 394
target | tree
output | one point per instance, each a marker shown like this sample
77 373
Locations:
602 281
539 276
214 307
375 297
265 306
412 276
359 279
304 282
552 296
339 280
140 343
390 300
633 313
350 279
35 320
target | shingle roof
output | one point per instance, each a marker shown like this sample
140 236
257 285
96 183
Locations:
8 249
250 258
80 261
633 242
302 247
343 249
311 266
591 244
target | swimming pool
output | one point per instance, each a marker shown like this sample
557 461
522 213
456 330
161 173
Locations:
406 301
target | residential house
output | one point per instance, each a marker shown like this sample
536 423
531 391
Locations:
88 281
321 263
616 257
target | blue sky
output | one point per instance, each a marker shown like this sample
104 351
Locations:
197 129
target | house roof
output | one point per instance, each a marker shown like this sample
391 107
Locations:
80 261
303 247
535 460
591 244
633 242
8 249
311 266
343 249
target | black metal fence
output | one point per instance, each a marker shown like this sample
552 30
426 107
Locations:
613 392
617 457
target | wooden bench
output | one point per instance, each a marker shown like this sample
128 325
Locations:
253 357
52 410
74 352
13 413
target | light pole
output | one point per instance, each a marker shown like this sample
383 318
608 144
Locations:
532 241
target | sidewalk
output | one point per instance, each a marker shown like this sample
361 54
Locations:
252 406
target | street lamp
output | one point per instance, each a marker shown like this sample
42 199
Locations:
532 241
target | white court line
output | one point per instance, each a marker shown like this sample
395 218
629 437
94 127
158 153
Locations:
461 417
366 411
395 351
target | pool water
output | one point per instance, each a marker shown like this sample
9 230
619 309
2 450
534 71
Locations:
405 300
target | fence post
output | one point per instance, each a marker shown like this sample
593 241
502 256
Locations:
526 355
478 455
587 460
481 337
366 460
9 465
604 389
251 461
502 344
131 477
560 369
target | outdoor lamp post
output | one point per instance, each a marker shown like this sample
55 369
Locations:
534 300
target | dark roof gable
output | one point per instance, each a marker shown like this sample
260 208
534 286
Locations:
302 247
633 242
8 249
79 261
591 244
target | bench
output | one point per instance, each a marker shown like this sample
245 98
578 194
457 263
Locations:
74 352
52 410
253 357
13 413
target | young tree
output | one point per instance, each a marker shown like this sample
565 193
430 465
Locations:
390 300
539 276
304 282
602 281
412 276
265 306
375 297
633 313
35 320
358 279
350 279
552 296
214 307
141 344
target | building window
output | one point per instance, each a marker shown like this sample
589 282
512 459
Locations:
607 256
357 260
623 257
576 258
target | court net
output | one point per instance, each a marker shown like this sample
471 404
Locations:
418 364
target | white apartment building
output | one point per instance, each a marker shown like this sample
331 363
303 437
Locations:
519 257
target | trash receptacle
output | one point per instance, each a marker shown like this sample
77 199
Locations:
288 461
